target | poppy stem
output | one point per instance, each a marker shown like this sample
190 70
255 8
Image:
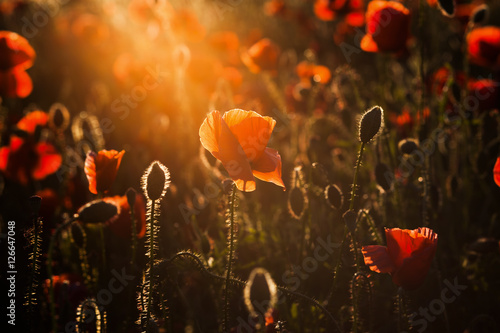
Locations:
50 273
134 235
152 231
31 296
356 172
231 241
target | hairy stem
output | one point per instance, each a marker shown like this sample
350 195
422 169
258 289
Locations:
230 257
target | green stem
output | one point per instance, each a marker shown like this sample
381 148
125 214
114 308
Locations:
356 172
50 273
230 257
151 259
33 278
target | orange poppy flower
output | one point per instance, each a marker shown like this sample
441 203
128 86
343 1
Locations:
387 27
307 71
262 56
483 95
496 172
484 47
239 139
185 25
326 10
407 257
101 169
26 159
121 225
16 55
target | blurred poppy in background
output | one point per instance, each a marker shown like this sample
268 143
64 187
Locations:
16 55
239 139
101 169
25 158
387 27
484 47
262 56
407 256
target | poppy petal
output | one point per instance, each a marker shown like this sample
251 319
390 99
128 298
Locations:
496 171
90 171
15 83
368 44
252 131
414 269
218 139
49 161
15 51
33 119
377 259
268 167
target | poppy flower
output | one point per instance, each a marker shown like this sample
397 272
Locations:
307 71
101 169
496 172
483 95
121 224
239 139
484 47
185 25
407 256
387 27
16 55
262 56
25 158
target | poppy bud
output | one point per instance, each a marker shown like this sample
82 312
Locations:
227 185
370 124
334 196
58 117
78 234
480 14
408 146
97 211
34 204
447 7
350 218
384 176
260 288
155 181
131 195
297 202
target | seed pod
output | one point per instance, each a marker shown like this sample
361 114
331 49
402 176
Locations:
408 146
97 211
131 195
480 15
370 124
350 218
78 234
58 117
34 204
334 196
260 289
155 181
227 185
384 176
297 202
447 7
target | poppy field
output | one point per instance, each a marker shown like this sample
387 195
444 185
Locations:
250 166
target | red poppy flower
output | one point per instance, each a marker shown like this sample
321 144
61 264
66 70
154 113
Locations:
239 139
307 71
407 257
483 95
101 169
496 172
121 225
326 10
262 56
387 27
26 159
16 55
484 47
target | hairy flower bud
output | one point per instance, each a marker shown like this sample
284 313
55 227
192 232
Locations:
370 124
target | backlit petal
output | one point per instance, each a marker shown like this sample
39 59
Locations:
218 139
268 167
496 172
49 161
377 259
251 130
